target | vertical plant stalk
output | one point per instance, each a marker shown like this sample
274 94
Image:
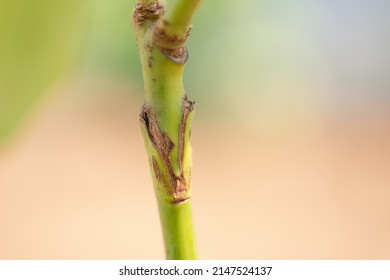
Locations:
166 116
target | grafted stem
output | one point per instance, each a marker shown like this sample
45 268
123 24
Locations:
166 116
173 29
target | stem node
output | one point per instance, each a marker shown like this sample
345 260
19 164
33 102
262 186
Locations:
143 12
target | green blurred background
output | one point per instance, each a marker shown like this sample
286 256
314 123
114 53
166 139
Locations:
291 136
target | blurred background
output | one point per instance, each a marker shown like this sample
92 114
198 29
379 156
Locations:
291 137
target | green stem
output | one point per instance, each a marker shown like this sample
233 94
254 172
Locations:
166 117
178 231
147 2
179 16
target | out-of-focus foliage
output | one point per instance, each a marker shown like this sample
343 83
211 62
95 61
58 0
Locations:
39 41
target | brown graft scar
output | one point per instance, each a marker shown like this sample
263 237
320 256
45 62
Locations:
172 46
159 139
147 12
156 169
159 176
179 55
188 107
166 40
177 187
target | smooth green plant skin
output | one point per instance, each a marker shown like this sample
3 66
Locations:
180 15
166 117
178 230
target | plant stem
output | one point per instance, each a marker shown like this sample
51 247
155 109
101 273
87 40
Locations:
166 117
179 16
178 231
